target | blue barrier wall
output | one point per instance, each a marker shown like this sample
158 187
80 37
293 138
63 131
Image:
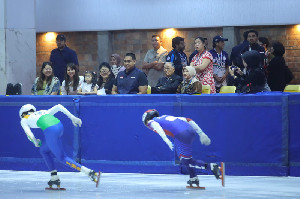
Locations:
253 134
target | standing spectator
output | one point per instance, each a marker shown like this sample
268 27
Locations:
169 83
72 80
190 83
235 56
106 77
264 42
196 52
61 56
46 83
89 86
115 61
253 45
177 56
279 74
154 61
203 64
220 62
131 80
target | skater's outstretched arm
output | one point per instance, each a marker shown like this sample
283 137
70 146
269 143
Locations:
76 121
30 136
204 139
157 128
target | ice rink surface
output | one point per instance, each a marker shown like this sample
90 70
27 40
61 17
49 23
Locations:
31 184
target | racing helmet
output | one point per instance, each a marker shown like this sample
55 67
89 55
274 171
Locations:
26 108
149 115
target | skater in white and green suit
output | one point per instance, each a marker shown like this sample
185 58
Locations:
52 144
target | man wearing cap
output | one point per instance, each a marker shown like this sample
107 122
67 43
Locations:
61 56
221 62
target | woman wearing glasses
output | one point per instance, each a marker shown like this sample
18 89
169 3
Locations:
106 77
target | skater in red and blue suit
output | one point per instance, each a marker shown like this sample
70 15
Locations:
52 144
184 131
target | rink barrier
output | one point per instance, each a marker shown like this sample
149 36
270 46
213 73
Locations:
254 134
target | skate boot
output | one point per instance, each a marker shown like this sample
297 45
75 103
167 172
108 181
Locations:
93 175
192 181
216 170
54 180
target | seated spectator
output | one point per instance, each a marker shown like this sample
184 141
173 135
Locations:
169 83
46 83
115 61
279 74
132 80
253 80
106 77
72 80
89 86
203 63
190 83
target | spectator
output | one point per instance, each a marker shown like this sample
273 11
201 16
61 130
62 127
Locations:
190 83
254 79
279 74
115 61
220 62
203 64
253 45
106 77
72 80
131 80
196 52
46 83
177 56
89 86
169 83
154 61
235 56
264 42
61 56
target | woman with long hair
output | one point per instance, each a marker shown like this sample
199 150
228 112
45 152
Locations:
72 80
46 83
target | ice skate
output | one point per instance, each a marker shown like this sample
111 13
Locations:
54 181
95 177
218 171
194 181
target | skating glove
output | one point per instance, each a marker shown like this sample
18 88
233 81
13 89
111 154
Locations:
76 121
204 139
37 143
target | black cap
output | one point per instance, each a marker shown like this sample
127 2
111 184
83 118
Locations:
219 38
61 37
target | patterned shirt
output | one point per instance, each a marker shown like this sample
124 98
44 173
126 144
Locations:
205 76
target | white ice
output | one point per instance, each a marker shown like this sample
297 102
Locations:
31 184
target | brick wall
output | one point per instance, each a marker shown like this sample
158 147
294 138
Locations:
289 36
139 42
84 43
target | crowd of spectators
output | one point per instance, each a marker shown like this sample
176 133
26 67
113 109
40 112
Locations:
252 67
